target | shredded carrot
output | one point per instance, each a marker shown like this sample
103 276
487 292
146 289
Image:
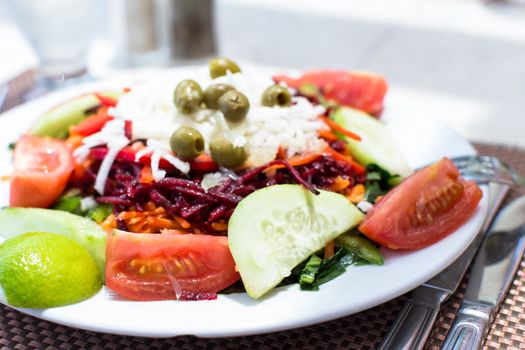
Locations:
74 141
146 176
329 249
378 199
219 226
295 161
359 169
149 206
152 219
109 223
327 135
281 153
183 223
4 177
336 127
356 194
339 184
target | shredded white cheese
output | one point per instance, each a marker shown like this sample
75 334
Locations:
150 107
112 135
160 150
213 179
365 206
88 203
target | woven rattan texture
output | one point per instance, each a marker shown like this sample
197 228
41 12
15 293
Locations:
361 331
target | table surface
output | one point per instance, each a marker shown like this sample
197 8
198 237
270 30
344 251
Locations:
360 331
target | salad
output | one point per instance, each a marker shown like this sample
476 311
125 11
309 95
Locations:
229 180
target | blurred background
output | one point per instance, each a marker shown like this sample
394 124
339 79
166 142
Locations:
464 58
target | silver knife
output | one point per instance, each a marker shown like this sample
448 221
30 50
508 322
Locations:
492 274
414 322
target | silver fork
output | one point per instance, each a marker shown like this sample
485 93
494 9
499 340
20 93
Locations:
414 322
486 169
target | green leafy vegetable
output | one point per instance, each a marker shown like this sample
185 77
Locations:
378 182
100 212
11 146
70 204
361 247
318 271
310 270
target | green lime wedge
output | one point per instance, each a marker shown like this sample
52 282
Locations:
41 270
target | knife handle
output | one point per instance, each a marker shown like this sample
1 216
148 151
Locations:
469 328
414 322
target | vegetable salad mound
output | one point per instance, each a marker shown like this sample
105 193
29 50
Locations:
221 180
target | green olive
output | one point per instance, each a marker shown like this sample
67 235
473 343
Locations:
213 93
220 65
188 96
187 143
276 95
226 154
234 106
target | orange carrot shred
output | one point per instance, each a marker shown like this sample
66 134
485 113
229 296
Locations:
146 175
329 250
296 161
357 193
74 141
109 223
339 184
327 135
281 153
359 169
219 226
182 222
5 177
334 126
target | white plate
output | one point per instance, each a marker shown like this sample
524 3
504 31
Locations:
421 140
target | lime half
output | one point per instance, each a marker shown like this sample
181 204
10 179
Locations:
40 270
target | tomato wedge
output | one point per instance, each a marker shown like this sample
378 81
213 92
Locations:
42 167
361 90
427 206
162 266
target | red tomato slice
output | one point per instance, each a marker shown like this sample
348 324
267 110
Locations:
427 206
361 90
42 166
157 266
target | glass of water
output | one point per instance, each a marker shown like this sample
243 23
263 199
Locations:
60 32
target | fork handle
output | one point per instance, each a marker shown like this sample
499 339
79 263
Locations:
414 322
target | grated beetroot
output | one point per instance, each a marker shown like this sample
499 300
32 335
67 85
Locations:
183 195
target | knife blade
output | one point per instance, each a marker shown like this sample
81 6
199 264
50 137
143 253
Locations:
414 322
492 274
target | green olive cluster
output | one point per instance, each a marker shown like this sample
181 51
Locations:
189 97
188 143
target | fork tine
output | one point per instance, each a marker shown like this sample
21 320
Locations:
485 169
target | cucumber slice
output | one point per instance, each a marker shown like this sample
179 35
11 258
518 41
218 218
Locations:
275 228
15 221
376 145
56 122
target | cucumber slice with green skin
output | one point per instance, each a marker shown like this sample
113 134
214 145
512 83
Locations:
56 122
376 145
275 228
15 221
